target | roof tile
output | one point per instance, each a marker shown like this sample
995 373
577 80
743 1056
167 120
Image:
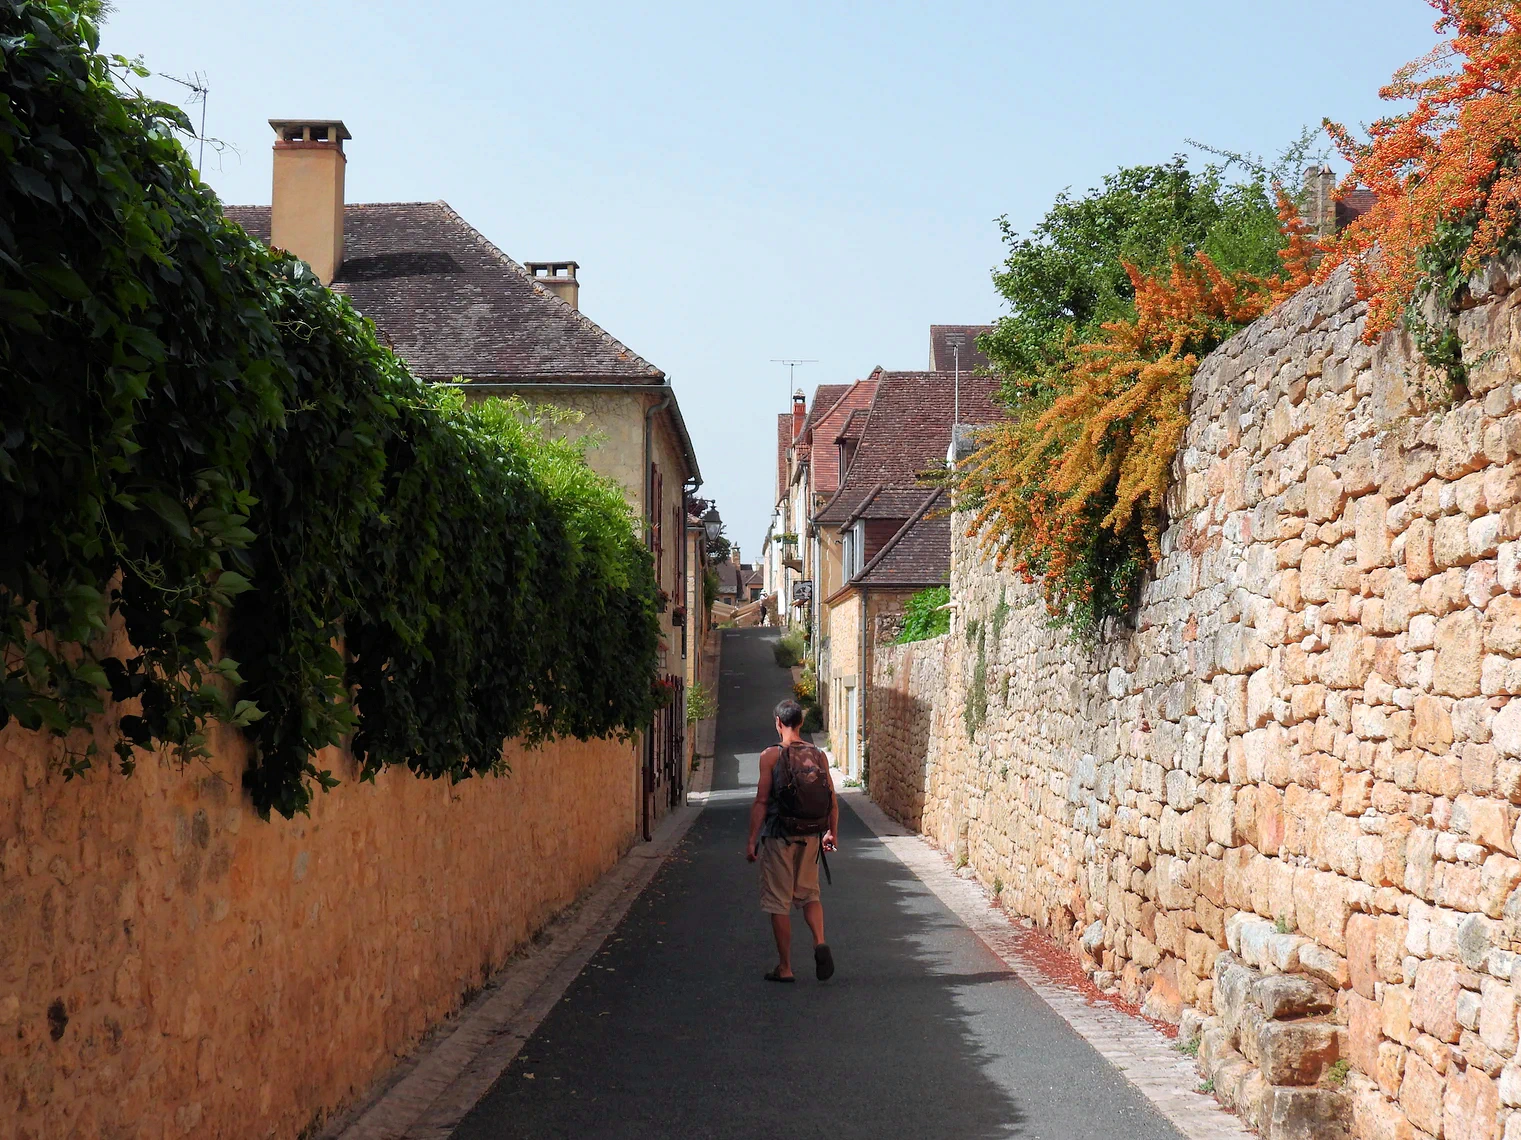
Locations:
451 303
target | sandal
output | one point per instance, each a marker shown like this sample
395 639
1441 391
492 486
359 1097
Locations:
823 959
774 976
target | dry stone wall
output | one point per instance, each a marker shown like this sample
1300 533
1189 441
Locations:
171 965
1281 809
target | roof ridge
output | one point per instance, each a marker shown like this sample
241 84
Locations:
591 325
912 522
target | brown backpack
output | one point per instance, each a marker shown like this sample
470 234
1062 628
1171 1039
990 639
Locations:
804 791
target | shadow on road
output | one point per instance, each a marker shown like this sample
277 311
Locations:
671 1031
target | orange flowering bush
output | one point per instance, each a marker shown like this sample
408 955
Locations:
1446 173
1070 489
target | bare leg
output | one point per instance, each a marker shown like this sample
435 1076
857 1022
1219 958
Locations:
813 915
781 928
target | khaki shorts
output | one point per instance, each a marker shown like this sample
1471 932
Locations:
789 873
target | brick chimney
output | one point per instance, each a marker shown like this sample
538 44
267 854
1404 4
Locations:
306 208
1320 200
559 277
799 413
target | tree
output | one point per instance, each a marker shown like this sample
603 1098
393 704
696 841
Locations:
1068 277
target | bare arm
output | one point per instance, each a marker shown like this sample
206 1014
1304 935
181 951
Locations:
832 836
762 795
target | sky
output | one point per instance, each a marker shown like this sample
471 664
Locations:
744 183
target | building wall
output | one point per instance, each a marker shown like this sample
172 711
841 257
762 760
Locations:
1305 757
172 965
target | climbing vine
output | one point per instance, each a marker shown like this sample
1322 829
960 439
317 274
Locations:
1445 175
1069 489
225 500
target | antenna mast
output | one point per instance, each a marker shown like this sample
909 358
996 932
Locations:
199 91
791 365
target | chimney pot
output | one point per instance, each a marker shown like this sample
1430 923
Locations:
306 205
559 277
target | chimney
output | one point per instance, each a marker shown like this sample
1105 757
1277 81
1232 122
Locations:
306 211
799 413
559 277
1320 200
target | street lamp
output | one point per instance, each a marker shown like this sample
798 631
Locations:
712 524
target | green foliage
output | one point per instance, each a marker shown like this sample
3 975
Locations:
1336 1073
806 688
1000 614
1068 277
198 436
789 649
925 615
702 703
1189 1048
813 718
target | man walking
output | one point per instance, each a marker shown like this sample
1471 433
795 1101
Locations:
794 820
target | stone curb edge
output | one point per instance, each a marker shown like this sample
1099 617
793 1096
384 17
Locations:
433 1090
1145 1057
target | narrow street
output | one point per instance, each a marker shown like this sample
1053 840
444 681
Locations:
670 1031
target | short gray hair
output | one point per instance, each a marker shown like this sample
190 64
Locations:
790 713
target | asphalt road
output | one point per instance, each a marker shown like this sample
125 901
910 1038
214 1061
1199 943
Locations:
670 1031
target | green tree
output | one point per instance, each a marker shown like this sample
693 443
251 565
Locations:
1067 277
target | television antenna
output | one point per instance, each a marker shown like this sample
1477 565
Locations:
791 366
196 84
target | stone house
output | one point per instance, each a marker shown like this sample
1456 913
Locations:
883 533
462 312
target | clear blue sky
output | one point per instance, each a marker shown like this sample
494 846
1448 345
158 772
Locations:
805 180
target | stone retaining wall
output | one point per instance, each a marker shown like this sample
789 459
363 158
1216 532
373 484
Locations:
171 965
1282 808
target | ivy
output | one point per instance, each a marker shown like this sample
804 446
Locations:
925 615
202 446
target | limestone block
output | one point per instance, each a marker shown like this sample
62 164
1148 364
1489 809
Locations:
1291 995
1450 542
1458 655
1362 936
1504 626
1421 1095
1297 1052
1420 553
1305 1114
1497 1016
1375 1118
1436 999
1470 1107
1324 494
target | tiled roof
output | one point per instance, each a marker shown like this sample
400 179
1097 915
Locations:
825 461
1352 205
855 423
729 578
919 555
888 503
943 359
452 304
907 431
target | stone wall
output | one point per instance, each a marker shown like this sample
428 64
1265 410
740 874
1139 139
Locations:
1281 808
171 965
